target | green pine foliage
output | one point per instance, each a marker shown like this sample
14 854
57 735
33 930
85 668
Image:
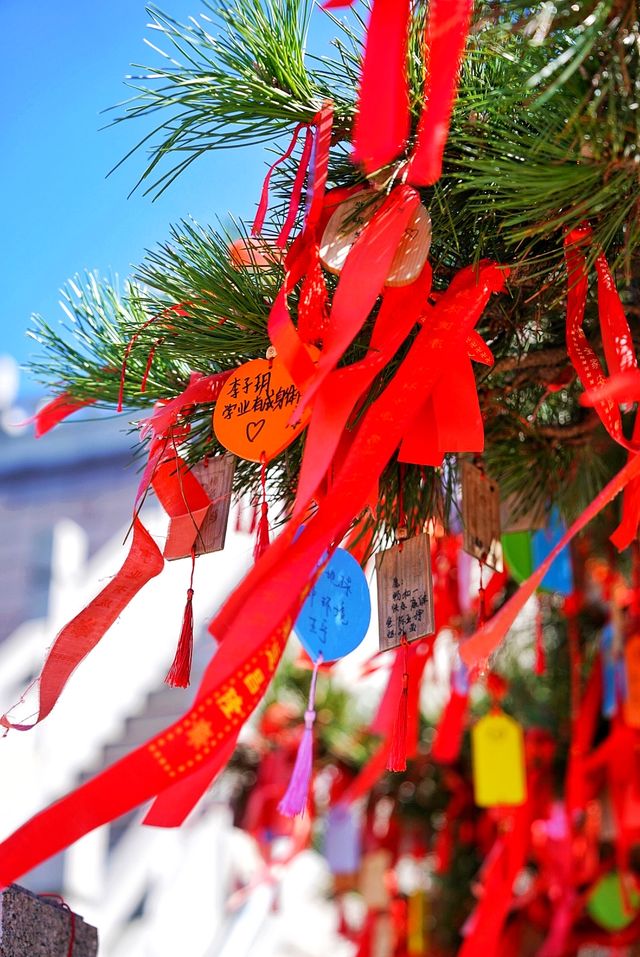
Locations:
544 136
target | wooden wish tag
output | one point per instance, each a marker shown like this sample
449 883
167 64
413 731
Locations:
405 592
497 751
348 221
206 529
481 516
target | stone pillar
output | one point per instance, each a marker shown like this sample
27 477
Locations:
32 926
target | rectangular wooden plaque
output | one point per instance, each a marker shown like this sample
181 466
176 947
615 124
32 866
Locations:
216 478
481 516
206 528
405 592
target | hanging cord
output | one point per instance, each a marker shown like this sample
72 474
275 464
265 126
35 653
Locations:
397 760
263 538
296 798
72 919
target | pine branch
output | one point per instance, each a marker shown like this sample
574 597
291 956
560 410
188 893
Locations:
244 83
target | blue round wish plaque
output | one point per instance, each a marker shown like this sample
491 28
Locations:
335 617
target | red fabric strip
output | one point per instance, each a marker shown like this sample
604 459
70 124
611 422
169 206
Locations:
383 722
224 703
200 391
451 420
448 738
323 123
283 334
617 340
296 192
178 490
362 280
172 807
55 411
263 205
446 34
382 118
614 331
627 530
487 639
178 309
83 633
400 310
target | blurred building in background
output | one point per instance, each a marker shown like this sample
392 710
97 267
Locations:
65 508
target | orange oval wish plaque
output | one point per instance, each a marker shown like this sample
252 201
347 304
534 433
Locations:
253 412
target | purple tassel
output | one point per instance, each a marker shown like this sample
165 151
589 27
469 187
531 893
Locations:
295 800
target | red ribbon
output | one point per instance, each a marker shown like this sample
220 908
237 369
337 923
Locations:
343 388
263 205
616 336
448 738
487 639
382 119
55 411
296 192
200 391
383 722
179 310
83 633
446 33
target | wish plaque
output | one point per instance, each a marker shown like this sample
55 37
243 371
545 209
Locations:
481 516
405 592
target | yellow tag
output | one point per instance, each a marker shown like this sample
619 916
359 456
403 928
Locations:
497 748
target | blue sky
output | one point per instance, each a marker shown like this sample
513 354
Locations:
63 64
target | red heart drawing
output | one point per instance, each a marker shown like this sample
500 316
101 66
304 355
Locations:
254 429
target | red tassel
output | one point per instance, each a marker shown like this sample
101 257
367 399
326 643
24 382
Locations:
397 760
179 673
263 539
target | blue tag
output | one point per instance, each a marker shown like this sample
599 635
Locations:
559 578
335 617
609 689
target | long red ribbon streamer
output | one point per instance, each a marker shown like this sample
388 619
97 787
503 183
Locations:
446 33
487 639
56 411
83 633
382 118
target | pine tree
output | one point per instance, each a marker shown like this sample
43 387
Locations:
543 142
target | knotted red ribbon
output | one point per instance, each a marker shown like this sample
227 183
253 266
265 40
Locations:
382 123
616 335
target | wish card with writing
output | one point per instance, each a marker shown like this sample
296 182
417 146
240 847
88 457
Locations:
481 516
405 592
253 414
